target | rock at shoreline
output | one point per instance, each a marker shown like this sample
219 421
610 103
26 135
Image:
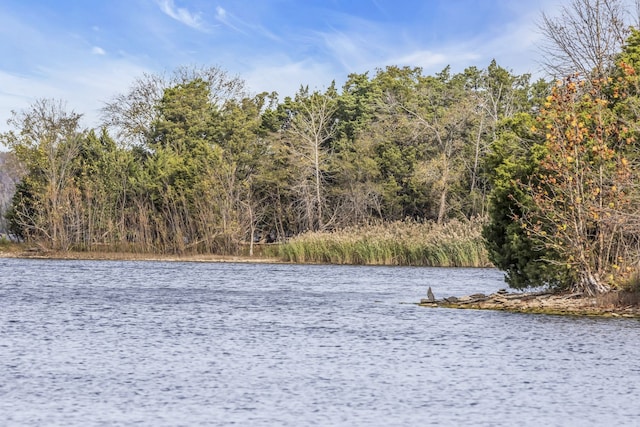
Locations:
614 304
430 296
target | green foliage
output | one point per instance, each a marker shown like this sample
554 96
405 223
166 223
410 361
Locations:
198 166
513 161
563 188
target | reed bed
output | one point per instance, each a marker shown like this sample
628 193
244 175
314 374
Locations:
454 244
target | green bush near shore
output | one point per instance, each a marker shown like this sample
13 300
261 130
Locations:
454 244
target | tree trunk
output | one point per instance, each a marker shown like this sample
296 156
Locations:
318 185
442 210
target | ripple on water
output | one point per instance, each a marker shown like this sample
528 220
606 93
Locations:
165 344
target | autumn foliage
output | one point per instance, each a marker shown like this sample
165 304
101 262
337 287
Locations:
581 193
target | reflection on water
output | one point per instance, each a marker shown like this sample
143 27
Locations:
166 344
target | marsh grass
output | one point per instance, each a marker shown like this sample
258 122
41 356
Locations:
7 245
455 244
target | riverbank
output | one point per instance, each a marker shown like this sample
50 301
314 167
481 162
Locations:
21 251
612 304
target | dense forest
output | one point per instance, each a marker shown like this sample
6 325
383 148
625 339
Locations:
191 162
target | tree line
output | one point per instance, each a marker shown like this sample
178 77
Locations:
192 162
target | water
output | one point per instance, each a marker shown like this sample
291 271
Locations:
85 343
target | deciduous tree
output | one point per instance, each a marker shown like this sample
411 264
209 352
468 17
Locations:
46 138
585 38
311 127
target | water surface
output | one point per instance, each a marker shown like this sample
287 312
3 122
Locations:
86 343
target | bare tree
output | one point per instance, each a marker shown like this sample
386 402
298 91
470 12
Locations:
47 142
311 127
585 37
130 114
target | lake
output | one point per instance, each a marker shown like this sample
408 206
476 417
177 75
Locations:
106 343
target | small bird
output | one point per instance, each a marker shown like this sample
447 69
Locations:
430 296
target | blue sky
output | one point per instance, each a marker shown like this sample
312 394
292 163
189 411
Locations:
86 51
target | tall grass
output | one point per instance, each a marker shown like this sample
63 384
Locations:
455 244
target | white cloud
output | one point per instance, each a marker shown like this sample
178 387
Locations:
85 90
225 18
96 50
241 26
362 45
348 48
181 14
429 60
355 54
285 76
18 92
365 46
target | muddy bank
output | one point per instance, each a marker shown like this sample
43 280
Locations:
613 304
39 253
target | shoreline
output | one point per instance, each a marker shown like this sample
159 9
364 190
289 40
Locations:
613 304
36 253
